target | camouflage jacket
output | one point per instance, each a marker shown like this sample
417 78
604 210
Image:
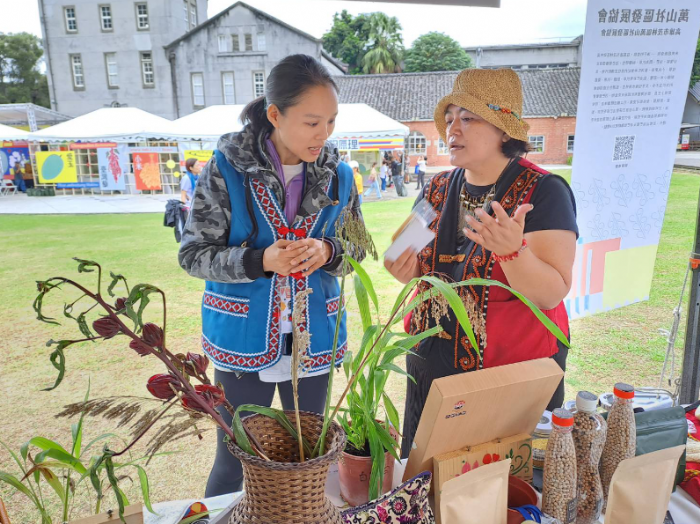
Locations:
204 250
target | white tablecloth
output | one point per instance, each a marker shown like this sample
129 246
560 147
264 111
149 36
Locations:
683 508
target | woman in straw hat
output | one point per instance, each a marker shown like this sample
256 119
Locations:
499 217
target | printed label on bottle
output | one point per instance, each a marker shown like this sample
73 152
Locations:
571 510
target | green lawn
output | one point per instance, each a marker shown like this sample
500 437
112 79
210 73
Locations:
620 345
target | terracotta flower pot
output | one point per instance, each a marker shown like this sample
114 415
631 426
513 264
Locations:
520 493
284 490
354 473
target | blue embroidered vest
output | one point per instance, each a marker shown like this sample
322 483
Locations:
241 322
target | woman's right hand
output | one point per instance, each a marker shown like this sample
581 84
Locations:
405 268
277 259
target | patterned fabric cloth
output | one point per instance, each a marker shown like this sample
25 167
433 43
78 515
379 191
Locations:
407 504
691 483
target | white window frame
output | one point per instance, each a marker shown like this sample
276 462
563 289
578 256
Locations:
414 139
198 100
235 43
229 99
223 44
147 68
258 84
106 20
77 72
262 43
570 143
186 9
140 17
443 148
248 41
67 20
193 15
534 141
112 72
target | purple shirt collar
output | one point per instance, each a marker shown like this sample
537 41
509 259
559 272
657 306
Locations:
294 190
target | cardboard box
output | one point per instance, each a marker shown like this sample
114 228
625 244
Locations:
450 465
132 515
473 408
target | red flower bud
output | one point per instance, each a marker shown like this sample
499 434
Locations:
153 335
212 395
120 304
106 327
200 362
159 386
140 347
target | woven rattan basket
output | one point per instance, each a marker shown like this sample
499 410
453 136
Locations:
285 490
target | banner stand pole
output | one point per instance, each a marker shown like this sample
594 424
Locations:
690 378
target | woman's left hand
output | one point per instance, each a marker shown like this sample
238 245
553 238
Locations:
501 235
316 255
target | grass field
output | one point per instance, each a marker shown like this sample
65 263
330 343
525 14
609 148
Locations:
620 345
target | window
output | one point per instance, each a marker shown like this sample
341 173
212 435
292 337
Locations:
228 88
261 42
142 16
186 11
570 144
416 143
197 89
76 64
70 19
147 75
193 15
112 70
106 18
235 43
442 148
248 42
537 143
258 83
223 44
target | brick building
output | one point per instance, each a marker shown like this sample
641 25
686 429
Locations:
551 97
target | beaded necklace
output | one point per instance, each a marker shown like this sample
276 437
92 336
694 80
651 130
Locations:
470 203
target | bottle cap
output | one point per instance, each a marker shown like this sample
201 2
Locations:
623 390
562 417
586 401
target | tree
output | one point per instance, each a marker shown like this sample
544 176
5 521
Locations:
385 48
436 52
20 78
347 39
695 72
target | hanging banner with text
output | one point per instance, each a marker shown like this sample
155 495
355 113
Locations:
147 171
113 165
56 167
635 75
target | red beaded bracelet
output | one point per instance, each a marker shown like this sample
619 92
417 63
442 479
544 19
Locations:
512 256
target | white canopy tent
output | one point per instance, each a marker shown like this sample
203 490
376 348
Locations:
110 124
354 121
12 133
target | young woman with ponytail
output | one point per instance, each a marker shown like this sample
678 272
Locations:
261 230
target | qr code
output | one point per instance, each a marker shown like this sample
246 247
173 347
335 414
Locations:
624 147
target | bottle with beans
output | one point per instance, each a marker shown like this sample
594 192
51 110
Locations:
559 480
621 439
589 438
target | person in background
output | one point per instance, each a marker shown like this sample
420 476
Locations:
420 179
383 174
396 175
374 182
189 181
358 177
19 178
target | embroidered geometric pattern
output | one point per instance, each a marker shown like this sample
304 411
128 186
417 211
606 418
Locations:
332 305
323 361
234 306
239 362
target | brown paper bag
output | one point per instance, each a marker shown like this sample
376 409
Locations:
477 497
641 487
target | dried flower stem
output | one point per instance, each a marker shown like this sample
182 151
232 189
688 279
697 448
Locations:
300 344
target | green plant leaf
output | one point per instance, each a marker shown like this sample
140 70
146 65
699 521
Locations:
139 294
45 443
64 457
86 266
14 456
122 501
44 287
456 304
115 280
362 303
77 429
53 481
376 478
389 366
15 483
58 360
347 363
366 282
391 411
145 490
83 325
273 413
386 439
97 439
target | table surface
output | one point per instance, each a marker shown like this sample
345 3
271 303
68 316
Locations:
683 508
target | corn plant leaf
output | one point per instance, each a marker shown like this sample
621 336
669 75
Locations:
390 366
391 411
58 360
77 429
145 489
64 457
362 303
386 439
376 478
53 481
13 481
366 281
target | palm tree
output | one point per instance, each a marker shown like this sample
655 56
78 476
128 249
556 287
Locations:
385 47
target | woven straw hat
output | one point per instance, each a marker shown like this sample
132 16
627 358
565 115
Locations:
496 95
